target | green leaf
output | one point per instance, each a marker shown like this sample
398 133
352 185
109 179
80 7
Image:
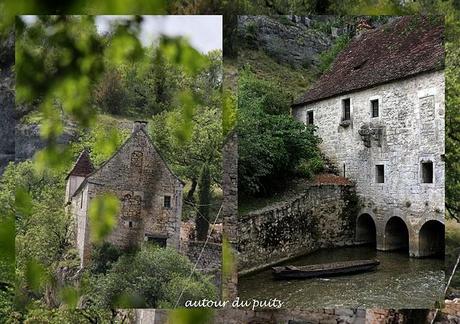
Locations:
190 316
103 212
23 202
36 275
70 296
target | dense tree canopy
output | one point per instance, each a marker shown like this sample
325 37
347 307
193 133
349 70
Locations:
272 144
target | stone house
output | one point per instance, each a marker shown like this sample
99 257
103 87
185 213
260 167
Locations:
380 113
150 195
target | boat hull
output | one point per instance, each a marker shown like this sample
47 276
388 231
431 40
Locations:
324 270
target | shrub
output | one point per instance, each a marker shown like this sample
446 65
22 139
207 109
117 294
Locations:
151 277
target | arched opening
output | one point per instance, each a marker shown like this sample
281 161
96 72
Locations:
365 230
396 235
431 239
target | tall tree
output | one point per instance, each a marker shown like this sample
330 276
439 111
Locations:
204 201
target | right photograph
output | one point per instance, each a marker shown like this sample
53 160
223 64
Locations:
341 171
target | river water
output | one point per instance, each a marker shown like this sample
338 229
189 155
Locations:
398 282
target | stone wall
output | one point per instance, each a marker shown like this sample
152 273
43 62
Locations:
241 316
320 217
230 212
411 122
211 257
210 261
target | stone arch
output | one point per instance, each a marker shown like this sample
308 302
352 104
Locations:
431 239
366 232
396 234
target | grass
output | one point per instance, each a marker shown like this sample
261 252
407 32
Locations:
294 80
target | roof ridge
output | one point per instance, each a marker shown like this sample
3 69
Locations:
404 47
83 166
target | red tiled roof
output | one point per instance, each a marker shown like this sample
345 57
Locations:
331 179
83 166
404 47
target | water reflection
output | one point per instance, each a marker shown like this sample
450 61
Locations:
399 282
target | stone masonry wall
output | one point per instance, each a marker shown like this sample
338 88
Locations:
320 217
411 117
210 261
140 179
211 255
242 316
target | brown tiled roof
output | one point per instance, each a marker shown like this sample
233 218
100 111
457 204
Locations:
331 179
402 48
83 166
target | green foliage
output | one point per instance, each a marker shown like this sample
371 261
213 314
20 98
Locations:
62 315
151 277
294 81
190 316
110 94
328 57
308 168
271 143
102 213
102 257
228 267
262 93
228 112
101 140
204 201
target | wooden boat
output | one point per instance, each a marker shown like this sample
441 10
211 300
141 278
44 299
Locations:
324 270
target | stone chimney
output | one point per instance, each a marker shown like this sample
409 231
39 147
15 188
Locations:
139 124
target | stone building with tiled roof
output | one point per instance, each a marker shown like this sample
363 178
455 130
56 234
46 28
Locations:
149 193
379 111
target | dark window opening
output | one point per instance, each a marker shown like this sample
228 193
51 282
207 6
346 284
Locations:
130 224
427 172
379 173
346 109
160 241
167 202
310 118
375 108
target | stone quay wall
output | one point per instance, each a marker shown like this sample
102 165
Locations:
323 216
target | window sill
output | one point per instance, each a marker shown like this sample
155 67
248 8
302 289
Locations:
345 123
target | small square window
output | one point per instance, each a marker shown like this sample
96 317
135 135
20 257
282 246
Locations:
130 224
310 117
160 241
346 114
167 202
427 172
375 108
379 173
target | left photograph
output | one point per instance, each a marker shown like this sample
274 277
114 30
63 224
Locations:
117 179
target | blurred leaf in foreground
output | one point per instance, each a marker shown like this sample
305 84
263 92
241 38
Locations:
103 211
190 316
36 275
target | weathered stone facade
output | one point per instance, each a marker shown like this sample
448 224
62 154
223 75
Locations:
230 212
242 316
150 196
320 217
408 132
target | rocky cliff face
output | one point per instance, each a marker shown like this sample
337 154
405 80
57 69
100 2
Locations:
28 140
294 43
7 121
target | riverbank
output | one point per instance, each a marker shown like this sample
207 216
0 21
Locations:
399 282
